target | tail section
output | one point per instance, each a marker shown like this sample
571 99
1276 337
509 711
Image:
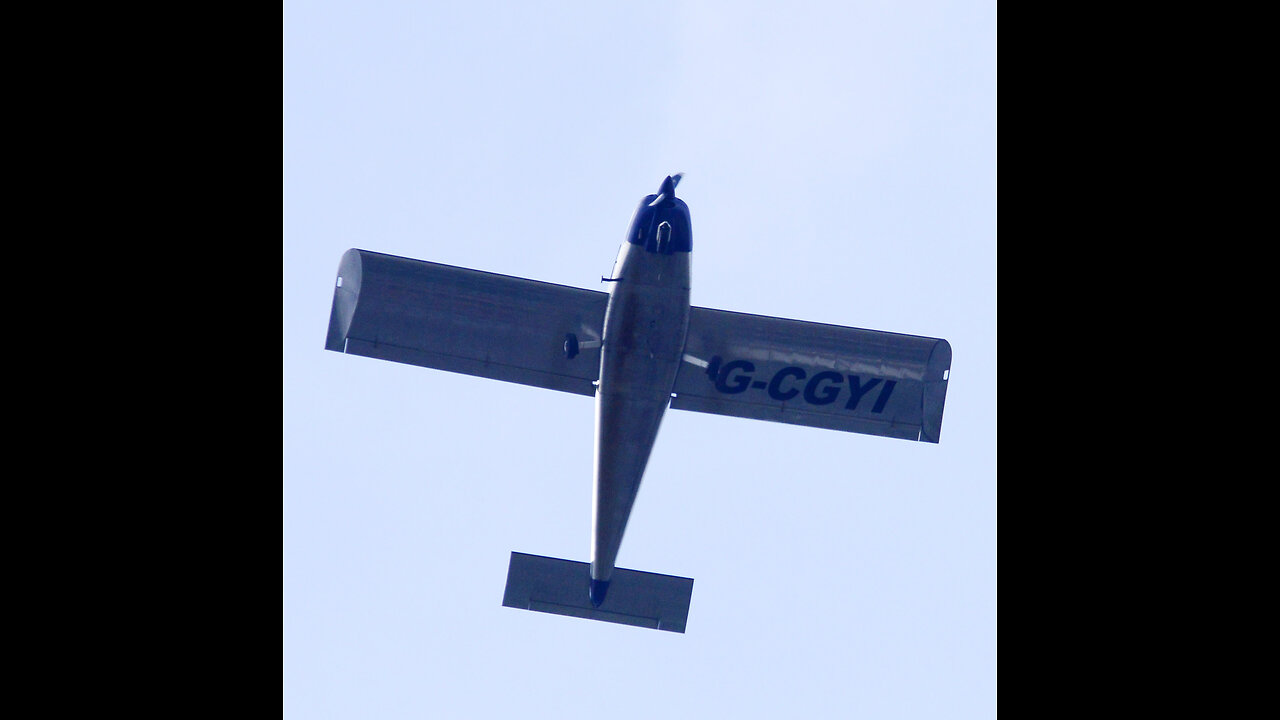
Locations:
598 590
565 587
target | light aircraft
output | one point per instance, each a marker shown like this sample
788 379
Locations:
638 349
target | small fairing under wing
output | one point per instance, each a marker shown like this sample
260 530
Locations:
465 321
806 373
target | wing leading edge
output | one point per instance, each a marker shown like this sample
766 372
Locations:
465 321
806 373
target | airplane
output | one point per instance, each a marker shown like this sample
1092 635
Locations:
638 349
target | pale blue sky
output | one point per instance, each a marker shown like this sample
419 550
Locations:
840 164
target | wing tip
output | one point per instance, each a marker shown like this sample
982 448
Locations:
346 292
937 373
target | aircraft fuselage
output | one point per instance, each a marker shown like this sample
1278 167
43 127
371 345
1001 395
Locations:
644 335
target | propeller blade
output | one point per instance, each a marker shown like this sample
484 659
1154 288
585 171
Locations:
668 189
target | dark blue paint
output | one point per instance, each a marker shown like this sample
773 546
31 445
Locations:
884 396
829 391
858 391
597 592
824 388
775 385
740 382
657 211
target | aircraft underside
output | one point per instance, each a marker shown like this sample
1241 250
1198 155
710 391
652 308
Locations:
637 349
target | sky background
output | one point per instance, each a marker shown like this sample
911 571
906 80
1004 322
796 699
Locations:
840 164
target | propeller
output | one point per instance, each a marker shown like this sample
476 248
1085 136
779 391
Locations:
668 188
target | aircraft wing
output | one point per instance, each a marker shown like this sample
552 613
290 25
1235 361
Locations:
464 321
806 373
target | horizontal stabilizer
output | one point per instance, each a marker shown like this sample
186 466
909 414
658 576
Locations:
562 587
